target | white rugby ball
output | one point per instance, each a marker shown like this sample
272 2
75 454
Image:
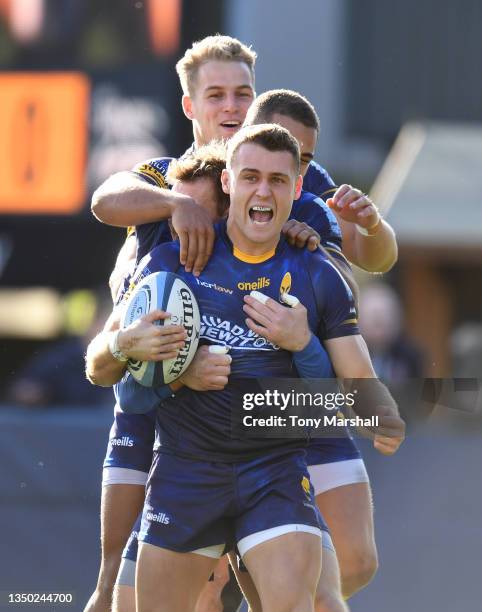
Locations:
165 291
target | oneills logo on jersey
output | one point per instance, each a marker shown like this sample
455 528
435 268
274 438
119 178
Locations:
158 517
260 283
305 485
285 286
124 441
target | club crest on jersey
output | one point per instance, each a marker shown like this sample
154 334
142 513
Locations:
285 286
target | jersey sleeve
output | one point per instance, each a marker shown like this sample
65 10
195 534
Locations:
163 258
150 235
318 181
334 298
312 210
132 398
154 171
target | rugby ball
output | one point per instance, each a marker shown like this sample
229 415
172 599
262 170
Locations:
165 291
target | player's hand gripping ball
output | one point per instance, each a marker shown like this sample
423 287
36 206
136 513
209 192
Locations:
164 291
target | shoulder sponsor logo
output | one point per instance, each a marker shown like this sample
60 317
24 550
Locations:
260 283
152 172
124 441
160 517
214 286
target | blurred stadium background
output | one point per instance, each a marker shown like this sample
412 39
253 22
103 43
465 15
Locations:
88 87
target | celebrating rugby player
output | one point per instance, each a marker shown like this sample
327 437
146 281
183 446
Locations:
217 76
262 176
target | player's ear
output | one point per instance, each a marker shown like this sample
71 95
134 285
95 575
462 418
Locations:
298 186
225 180
187 106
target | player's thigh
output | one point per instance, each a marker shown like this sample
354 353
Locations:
120 507
348 511
246 583
209 599
328 591
168 581
286 569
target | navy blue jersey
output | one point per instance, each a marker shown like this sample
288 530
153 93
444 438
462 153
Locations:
150 235
197 424
311 209
318 181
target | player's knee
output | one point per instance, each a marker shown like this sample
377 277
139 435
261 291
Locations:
328 597
302 602
329 602
358 571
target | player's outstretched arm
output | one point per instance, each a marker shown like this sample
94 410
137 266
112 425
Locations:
368 241
351 360
349 356
142 340
125 199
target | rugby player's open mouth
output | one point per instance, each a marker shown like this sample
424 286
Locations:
231 125
260 214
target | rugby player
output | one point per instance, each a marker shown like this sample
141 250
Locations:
222 69
217 75
198 174
337 470
225 82
265 179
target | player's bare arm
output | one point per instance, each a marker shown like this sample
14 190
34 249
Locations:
124 265
372 245
125 199
142 340
351 360
288 328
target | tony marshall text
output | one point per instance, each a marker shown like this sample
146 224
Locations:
332 420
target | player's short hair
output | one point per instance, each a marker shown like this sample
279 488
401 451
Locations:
282 102
218 47
267 135
209 162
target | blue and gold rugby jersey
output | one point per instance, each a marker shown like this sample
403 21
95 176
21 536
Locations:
150 235
318 181
309 208
198 424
